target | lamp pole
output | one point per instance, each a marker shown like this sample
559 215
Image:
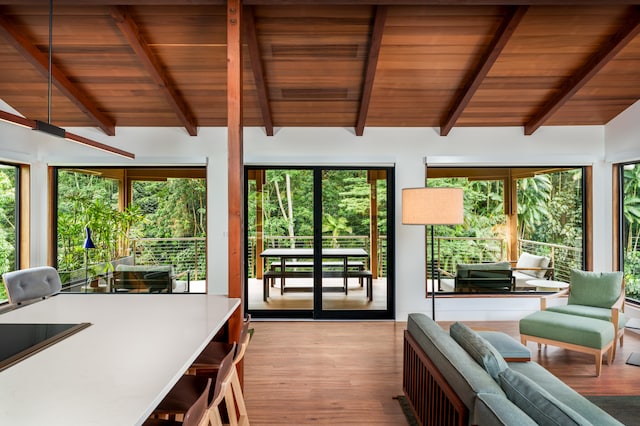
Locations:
433 274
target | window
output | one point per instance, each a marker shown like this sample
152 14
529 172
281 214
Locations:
147 224
630 228
511 211
9 227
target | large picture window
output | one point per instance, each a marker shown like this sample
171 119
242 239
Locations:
147 229
530 220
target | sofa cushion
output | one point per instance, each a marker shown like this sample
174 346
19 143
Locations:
564 393
497 410
540 405
462 269
462 373
600 289
527 260
479 348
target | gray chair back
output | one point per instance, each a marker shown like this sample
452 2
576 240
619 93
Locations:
30 284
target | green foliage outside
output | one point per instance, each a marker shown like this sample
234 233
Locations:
549 211
160 209
345 203
631 229
7 222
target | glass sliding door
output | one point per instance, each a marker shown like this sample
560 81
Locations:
318 242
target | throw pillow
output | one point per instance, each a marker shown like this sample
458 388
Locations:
599 289
540 405
479 348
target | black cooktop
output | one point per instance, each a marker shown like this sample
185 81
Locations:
19 341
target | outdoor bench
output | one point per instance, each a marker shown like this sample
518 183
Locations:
269 279
309 264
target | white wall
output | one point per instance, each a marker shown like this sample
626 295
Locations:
623 136
406 148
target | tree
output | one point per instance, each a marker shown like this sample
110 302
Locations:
336 226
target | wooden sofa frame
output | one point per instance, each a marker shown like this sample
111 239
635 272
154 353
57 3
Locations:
431 398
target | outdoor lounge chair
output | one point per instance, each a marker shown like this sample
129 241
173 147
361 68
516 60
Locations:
482 277
531 267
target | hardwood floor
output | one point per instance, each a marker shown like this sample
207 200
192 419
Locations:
335 373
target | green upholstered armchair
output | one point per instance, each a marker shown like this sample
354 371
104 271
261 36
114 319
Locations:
597 295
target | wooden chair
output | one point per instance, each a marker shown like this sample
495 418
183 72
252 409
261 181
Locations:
228 388
531 267
208 362
189 388
196 415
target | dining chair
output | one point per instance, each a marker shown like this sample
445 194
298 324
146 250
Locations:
189 388
28 285
196 415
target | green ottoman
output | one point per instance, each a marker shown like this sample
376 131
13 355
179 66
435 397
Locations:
581 334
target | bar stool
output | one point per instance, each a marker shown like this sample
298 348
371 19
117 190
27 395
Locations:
231 392
189 388
207 363
196 415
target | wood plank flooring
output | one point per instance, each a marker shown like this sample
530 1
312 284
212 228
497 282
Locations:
333 373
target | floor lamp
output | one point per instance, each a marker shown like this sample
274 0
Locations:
432 206
88 244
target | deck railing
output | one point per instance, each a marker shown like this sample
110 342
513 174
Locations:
453 250
185 254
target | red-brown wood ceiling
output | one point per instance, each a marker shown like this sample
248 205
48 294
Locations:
354 64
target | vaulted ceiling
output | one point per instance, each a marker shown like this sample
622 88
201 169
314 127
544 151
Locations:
338 63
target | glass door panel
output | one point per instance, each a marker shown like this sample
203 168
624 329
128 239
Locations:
354 236
280 240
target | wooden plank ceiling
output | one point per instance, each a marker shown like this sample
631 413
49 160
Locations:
355 64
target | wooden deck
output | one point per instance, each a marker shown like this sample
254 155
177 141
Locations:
329 373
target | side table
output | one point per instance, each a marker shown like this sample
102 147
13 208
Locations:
547 285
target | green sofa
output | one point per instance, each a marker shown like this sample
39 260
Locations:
460 378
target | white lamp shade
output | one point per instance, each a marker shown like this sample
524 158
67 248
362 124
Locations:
432 206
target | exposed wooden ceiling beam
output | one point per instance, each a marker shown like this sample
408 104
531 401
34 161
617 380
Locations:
503 34
40 62
629 29
258 70
129 28
371 66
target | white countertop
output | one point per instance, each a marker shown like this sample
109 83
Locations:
118 369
